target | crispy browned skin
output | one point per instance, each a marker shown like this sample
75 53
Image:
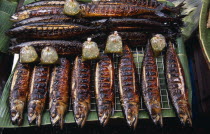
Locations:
38 93
59 91
177 86
151 86
21 15
80 90
128 88
104 83
50 30
19 92
62 47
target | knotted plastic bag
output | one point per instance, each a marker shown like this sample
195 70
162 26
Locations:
158 43
49 56
28 54
71 7
114 44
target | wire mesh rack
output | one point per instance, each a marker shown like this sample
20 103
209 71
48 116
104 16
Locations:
138 54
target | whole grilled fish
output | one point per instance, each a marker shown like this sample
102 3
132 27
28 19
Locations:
21 15
39 4
59 91
62 47
80 91
117 10
177 87
38 93
128 88
19 92
104 83
52 18
50 30
151 86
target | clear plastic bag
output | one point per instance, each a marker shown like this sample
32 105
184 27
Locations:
49 56
28 54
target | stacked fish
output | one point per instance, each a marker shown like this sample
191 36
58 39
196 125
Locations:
42 29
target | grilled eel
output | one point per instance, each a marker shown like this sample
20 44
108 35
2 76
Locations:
104 79
52 18
128 87
19 92
62 47
151 86
38 93
21 15
59 91
80 90
177 87
50 30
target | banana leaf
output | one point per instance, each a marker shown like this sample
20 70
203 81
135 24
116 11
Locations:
204 31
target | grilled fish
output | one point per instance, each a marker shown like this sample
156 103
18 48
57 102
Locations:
50 30
128 88
19 92
52 18
80 90
104 79
59 91
62 47
21 15
150 86
39 4
177 87
38 93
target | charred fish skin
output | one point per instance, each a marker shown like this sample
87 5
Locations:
104 83
51 18
177 87
50 30
21 15
59 92
62 47
151 86
19 92
37 5
80 90
38 93
128 87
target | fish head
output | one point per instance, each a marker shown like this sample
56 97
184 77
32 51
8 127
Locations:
81 110
35 109
131 111
156 114
57 111
104 113
17 108
19 16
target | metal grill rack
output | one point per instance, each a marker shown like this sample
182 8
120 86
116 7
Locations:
138 54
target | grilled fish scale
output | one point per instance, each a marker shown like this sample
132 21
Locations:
80 90
128 87
19 92
177 87
104 82
38 93
59 91
150 86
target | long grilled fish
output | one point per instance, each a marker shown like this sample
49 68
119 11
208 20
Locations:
104 83
39 4
21 15
177 86
38 93
52 18
50 30
80 90
62 47
150 86
19 92
59 91
128 88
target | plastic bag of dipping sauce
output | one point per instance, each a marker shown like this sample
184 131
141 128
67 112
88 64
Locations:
49 56
158 43
28 54
71 7
114 44
90 50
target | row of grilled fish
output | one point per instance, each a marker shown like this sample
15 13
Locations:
104 81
